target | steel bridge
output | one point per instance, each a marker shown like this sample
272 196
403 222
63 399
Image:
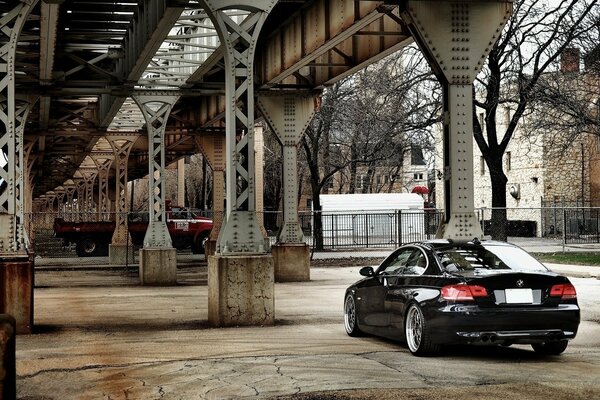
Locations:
96 93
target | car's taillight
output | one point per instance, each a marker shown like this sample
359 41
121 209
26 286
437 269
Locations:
463 292
565 291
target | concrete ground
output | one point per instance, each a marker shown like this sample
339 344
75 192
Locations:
100 336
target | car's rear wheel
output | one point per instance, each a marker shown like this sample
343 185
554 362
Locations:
87 247
350 319
417 333
551 348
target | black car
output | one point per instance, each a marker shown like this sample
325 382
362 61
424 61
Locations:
438 292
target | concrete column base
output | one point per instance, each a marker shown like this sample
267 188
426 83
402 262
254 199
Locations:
158 266
292 262
210 248
241 290
119 254
17 281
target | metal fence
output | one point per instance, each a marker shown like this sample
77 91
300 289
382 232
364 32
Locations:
372 229
381 229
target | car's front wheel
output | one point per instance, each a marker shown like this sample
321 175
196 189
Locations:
350 318
417 333
551 348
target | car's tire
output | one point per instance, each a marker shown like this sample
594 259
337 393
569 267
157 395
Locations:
550 348
417 333
350 317
199 244
87 246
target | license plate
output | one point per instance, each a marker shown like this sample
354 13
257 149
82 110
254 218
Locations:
518 296
182 225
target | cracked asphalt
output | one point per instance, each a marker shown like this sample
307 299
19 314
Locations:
100 336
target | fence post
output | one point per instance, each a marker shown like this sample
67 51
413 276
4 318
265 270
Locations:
367 228
564 228
399 226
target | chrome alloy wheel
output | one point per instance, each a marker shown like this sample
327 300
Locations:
414 328
350 315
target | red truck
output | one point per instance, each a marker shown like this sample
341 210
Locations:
92 238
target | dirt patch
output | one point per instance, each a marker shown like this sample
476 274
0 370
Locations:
530 391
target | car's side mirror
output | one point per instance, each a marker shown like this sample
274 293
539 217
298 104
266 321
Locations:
367 271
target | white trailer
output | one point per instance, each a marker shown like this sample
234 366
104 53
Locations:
386 218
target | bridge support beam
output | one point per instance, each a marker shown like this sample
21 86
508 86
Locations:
212 147
241 247
119 250
16 265
456 37
158 262
103 164
289 116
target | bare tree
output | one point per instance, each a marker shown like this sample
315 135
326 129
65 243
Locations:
536 35
367 121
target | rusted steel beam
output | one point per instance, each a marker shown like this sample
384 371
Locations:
328 40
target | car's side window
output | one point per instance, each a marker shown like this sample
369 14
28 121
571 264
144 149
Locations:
395 263
416 264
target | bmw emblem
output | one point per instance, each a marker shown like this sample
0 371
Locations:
520 283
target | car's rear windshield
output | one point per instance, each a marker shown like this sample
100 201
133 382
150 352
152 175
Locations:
470 257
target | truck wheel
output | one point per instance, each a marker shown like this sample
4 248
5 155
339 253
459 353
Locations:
87 247
198 244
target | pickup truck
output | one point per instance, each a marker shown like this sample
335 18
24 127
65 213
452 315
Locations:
91 238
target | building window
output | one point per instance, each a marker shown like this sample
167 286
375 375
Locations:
481 165
359 181
508 162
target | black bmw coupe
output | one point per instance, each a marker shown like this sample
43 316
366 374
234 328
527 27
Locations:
438 292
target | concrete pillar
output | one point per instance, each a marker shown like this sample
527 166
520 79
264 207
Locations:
241 290
456 37
119 250
16 296
289 116
158 262
241 245
212 147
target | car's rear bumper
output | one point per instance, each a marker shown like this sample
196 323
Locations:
471 324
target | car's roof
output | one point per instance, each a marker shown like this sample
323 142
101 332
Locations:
446 243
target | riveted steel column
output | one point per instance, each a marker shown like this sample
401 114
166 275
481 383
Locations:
457 36
70 189
103 164
288 116
80 190
60 201
12 239
156 110
158 263
89 176
16 265
240 275
241 231
121 145
212 146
